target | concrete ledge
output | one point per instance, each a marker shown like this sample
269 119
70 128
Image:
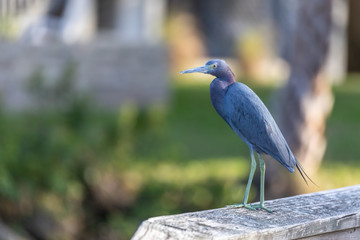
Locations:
333 214
109 72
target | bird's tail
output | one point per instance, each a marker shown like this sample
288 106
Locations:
299 167
303 173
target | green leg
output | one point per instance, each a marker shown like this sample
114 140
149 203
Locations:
262 186
252 171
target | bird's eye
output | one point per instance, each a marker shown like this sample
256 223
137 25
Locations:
214 66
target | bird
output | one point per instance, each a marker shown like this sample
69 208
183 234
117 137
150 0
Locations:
250 119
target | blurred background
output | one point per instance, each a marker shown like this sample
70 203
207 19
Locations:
99 132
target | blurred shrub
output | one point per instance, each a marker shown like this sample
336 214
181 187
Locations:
96 174
70 171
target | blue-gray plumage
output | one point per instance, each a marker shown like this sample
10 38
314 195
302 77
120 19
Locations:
247 115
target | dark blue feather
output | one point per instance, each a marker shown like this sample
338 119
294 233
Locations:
247 115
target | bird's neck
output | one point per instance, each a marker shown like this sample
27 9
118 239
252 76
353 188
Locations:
218 89
227 76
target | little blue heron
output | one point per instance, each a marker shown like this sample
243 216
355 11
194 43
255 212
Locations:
247 115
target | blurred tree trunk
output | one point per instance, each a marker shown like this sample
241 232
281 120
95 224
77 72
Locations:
106 14
224 22
215 19
306 100
354 36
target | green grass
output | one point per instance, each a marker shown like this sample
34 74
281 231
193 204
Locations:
343 126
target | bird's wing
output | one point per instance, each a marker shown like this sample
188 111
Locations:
251 120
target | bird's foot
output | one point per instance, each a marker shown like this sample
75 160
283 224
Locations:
251 207
261 206
238 205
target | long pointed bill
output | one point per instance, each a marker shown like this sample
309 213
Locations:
202 69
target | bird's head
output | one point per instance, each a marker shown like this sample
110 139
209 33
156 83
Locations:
215 67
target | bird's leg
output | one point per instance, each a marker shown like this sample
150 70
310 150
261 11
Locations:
252 171
262 186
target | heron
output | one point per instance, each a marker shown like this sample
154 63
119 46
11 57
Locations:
249 118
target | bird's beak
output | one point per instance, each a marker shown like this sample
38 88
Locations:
202 69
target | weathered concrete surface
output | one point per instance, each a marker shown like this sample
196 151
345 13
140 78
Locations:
110 72
333 214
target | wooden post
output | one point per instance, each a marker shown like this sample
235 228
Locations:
333 214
